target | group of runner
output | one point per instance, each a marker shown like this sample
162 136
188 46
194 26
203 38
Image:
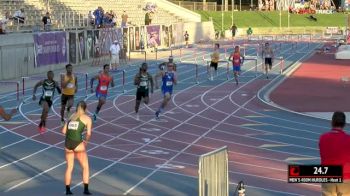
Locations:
237 60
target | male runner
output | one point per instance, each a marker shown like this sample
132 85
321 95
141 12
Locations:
267 53
214 61
48 89
102 88
69 86
237 61
168 81
143 80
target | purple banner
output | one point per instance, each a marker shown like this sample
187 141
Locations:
50 48
153 34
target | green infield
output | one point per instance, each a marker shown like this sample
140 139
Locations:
272 19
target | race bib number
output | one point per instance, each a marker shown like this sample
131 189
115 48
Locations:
103 88
143 83
48 93
70 85
169 83
73 125
236 61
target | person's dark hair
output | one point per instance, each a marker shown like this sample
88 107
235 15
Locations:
217 45
104 66
338 119
69 65
81 104
49 72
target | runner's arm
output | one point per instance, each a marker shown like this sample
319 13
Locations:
137 79
88 129
175 78
36 86
229 58
58 88
151 81
64 129
92 82
112 82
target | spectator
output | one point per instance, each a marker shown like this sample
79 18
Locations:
147 18
233 30
249 31
124 19
186 38
19 16
334 150
91 18
114 51
98 13
3 22
47 21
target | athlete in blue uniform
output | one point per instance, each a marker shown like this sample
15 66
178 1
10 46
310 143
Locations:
168 81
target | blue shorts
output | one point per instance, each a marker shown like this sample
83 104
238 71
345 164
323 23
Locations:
101 95
167 91
236 68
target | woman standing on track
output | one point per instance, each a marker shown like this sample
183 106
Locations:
76 145
102 88
237 61
49 85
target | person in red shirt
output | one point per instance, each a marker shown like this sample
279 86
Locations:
102 88
237 60
335 150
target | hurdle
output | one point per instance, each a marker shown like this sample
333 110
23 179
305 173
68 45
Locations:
26 78
138 51
123 77
85 75
196 68
255 59
306 38
220 61
17 83
281 59
246 46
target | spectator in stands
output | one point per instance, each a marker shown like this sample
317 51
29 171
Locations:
147 18
335 150
91 18
3 22
113 17
47 21
19 16
98 13
124 19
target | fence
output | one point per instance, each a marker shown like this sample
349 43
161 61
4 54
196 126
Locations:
213 173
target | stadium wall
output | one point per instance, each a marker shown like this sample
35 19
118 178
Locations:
17 51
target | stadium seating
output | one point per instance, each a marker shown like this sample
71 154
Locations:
74 13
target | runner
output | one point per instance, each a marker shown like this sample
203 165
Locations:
69 86
187 36
168 81
102 88
237 61
163 65
7 116
76 145
214 61
267 53
48 86
143 80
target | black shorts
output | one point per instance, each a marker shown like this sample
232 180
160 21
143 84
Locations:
71 144
215 65
65 98
186 39
49 102
141 94
268 61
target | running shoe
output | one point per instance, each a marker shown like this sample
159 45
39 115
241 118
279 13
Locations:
41 128
94 117
137 117
157 114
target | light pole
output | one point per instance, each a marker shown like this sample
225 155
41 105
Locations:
280 14
232 8
222 16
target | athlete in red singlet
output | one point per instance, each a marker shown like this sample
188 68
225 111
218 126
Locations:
104 79
237 61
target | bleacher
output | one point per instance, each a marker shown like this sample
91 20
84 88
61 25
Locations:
74 13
